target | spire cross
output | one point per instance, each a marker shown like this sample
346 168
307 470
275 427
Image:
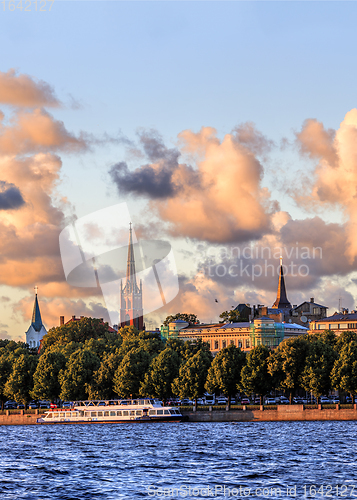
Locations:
281 260
36 289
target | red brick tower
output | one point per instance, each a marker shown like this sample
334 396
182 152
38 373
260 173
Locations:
131 300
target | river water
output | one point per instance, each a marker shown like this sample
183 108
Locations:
189 460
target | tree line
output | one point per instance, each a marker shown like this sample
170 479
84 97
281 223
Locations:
82 360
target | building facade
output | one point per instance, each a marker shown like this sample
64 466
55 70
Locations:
338 323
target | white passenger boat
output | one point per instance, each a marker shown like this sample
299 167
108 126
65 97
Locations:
112 411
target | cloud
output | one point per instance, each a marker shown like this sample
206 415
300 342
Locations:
5 299
10 196
23 90
37 131
52 309
219 199
247 135
335 177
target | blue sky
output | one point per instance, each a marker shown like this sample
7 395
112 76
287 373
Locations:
173 66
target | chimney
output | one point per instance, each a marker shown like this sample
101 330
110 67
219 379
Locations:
73 317
81 317
101 319
312 299
61 320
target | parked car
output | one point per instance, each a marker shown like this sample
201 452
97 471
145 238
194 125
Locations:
53 405
270 401
324 400
20 406
335 400
245 401
257 401
200 401
210 399
284 400
10 405
66 404
186 402
233 401
221 400
297 401
33 405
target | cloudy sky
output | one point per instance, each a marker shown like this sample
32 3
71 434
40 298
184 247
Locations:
228 128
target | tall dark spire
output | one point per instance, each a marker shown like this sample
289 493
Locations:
282 301
130 265
36 315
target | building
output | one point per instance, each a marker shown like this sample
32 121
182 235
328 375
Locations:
36 330
246 335
338 323
308 311
131 295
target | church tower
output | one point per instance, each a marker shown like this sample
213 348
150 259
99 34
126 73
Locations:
36 331
131 301
282 301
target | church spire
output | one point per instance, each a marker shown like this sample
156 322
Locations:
282 301
130 265
36 315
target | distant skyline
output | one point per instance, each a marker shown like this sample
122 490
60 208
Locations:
229 129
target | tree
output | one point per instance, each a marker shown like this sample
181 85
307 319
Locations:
344 372
5 371
20 381
224 373
77 379
131 372
192 375
77 331
104 376
163 369
319 363
286 364
255 377
231 316
190 318
46 377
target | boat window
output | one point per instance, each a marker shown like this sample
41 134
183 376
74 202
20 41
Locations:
112 413
93 413
49 415
100 413
160 412
87 413
167 412
152 412
172 411
106 413
132 412
125 413
56 414
139 412
147 401
119 413
69 414
81 414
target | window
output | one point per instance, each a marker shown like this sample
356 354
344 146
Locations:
224 344
56 415
152 412
216 345
139 412
167 412
125 413
93 413
352 325
119 413
247 343
160 412
343 326
321 326
316 310
232 342
333 326
240 344
132 413
112 413
87 413
106 413
100 413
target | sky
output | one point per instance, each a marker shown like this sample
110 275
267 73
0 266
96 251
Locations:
228 128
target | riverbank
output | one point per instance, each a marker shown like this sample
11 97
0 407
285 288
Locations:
280 413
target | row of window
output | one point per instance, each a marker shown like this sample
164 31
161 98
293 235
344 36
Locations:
34 343
216 344
336 326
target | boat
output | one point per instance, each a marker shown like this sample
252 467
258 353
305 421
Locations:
112 412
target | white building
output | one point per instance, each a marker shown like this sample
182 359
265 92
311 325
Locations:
36 331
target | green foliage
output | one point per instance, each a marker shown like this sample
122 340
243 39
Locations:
77 379
103 378
224 373
344 372
20 381
190 318
130 373
163 369
46 383
192 375
287 362
77 331
319 363
255 378
232 316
